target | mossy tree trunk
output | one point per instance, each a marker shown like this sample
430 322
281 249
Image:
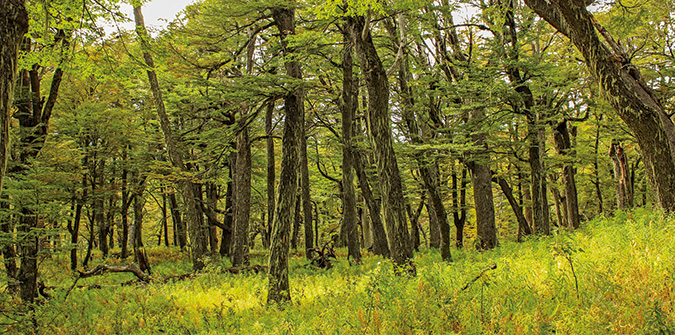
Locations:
13 27
564 148
279 290
383 145
195 218
348 106
625 90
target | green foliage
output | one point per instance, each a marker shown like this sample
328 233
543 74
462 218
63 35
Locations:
626 286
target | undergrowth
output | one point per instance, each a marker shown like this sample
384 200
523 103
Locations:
614 276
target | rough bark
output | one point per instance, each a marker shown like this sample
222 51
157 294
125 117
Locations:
8 249
380 134
279 291
481 178
429 175
242 202
212 198
271 172
459 204
349 105
99 208
523 227
228 220
624 189
596 166
13 26
195 218
564 148
625 90
181 232
305 191
380 244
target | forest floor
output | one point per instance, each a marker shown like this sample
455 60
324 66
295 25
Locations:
614 276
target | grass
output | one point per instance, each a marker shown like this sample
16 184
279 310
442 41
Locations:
623 283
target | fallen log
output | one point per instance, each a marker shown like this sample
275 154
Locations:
101 269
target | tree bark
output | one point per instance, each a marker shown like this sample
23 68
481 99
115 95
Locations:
564 148
13 27
383 144
228 220
429 175
624 189
622 84
523 226
279 291
459 204
380 244
99 207
271 171
242 202
349 106
195 218
481 177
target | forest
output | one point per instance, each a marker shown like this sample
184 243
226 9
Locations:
338 167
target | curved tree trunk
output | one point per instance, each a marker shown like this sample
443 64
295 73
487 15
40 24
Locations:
624 88
195 219
383 144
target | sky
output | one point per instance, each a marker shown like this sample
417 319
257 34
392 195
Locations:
157 13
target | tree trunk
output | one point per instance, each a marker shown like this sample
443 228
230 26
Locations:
228 220
242 202
459 204
124 211
381 137
99 208
481 177
195 218
271 172
380 244
564 148
304 188
523 227
8 249
242 179
165 217
177 219
279 290
624 189
297 219
212 197
13 27
349 106
622 84
415 222
428 173
596 166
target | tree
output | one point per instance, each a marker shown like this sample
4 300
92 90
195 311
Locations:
194 215
380 134
13 25
279 291
624 88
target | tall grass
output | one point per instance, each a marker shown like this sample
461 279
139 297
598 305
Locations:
623 283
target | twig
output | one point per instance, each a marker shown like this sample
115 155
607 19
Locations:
492 267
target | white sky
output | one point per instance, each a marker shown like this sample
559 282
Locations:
157 14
